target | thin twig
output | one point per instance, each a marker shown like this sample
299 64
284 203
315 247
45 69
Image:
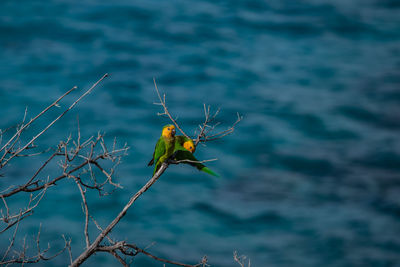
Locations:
12 239
240 259
161 259
37 116
85 210
121 260
191 161
166 112
54 121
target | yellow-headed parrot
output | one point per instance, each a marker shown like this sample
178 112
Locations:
183 151
164 147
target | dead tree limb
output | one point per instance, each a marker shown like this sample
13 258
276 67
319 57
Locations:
95 245
74 164
4 160
81 161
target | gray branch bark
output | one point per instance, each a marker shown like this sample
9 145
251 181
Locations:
94 246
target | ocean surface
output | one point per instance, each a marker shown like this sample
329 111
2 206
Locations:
310 177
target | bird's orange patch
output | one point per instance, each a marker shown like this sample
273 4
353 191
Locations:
189 146
168 131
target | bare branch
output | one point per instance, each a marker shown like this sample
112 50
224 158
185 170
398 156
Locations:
82 160
166 112
89 251
207 128
139 250
72 165
191 161
240 259
68 244
54 121
123 247
12 240
121 260
37 116
227 131
34 185
85 210
11 220
22 258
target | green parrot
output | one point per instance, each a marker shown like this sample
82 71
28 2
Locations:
164 147
184 149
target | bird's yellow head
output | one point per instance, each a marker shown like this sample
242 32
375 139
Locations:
189 146
168 131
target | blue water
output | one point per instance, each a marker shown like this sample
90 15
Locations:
311 176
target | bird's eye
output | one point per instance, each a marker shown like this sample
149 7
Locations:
168 129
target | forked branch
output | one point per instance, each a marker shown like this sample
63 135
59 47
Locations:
166 111
81 160
5 160
205 130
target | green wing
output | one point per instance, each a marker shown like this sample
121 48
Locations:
183 154
179 140
159 150
164 149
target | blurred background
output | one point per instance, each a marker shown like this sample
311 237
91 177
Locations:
310 177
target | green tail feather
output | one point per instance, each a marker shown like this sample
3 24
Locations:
207 170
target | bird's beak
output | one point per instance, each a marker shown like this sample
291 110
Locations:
173 131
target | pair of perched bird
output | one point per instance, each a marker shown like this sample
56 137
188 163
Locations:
179 148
